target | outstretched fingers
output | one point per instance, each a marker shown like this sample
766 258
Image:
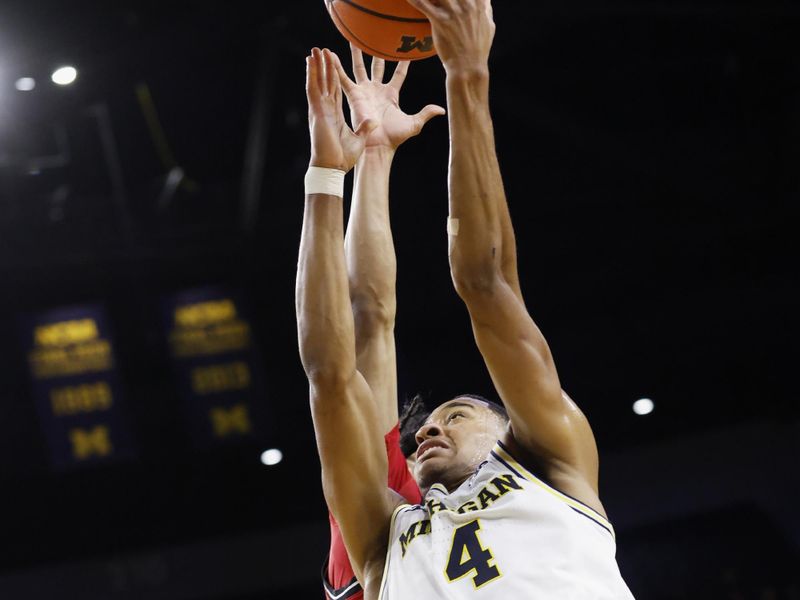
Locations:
312 89
378 69
318 70
347 83
399 75
359 70
332 76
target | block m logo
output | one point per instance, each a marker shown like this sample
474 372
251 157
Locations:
230 421
411 43
90 442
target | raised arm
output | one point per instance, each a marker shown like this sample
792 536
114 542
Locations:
544 421
369 249
350 444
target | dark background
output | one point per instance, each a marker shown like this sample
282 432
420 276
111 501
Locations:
650 153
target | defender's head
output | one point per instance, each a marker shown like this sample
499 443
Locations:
456 438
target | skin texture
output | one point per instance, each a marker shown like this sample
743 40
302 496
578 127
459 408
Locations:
456 439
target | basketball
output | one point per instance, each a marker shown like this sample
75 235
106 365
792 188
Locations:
390 29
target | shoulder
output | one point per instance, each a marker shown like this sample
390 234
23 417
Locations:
556 474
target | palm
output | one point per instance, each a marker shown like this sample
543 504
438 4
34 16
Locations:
372 100
334 142
380 102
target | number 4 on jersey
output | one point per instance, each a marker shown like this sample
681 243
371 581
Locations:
469 557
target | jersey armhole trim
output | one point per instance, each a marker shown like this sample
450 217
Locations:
342 593
501 453
389 549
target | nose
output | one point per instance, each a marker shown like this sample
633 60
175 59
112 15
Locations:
427 431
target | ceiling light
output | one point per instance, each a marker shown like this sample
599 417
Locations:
25 84
643 406
271 457
64 75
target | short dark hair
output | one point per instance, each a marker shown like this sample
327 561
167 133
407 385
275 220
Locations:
412 416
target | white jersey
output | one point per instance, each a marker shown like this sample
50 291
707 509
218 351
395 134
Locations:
503 534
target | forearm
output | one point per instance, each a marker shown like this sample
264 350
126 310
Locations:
372 270
324 316
350 446
477 199
353 473
369 248
474 181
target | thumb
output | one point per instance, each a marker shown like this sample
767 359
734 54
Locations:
427 113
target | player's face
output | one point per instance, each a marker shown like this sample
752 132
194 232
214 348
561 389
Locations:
455 439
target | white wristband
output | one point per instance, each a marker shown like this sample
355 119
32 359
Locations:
325 181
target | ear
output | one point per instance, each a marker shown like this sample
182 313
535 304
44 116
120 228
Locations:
503 424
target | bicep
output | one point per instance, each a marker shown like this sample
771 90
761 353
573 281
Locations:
544 420
354 464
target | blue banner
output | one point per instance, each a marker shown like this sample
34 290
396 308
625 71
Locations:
76 387
217 365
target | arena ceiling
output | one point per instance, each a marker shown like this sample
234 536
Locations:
650 152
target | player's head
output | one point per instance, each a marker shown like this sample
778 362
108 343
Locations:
412 416
456 438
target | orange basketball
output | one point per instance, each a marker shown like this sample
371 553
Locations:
390 29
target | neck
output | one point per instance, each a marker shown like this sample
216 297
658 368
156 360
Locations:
449 485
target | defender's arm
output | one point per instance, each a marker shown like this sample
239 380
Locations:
369 248
372 269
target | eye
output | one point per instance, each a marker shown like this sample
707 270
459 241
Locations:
452 416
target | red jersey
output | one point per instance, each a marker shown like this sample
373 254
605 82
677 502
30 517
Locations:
337 575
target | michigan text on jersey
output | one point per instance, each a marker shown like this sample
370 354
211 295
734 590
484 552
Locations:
496 488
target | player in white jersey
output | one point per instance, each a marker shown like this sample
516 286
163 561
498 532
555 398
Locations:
503 533
511 506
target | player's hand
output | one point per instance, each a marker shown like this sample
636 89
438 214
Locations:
371 99
333 144
463 32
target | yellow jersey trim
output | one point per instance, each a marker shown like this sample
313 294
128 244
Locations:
576 505
438 487
389 547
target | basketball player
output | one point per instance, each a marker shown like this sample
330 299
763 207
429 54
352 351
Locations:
511 506
371 269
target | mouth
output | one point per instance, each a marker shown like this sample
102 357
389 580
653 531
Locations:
427 446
